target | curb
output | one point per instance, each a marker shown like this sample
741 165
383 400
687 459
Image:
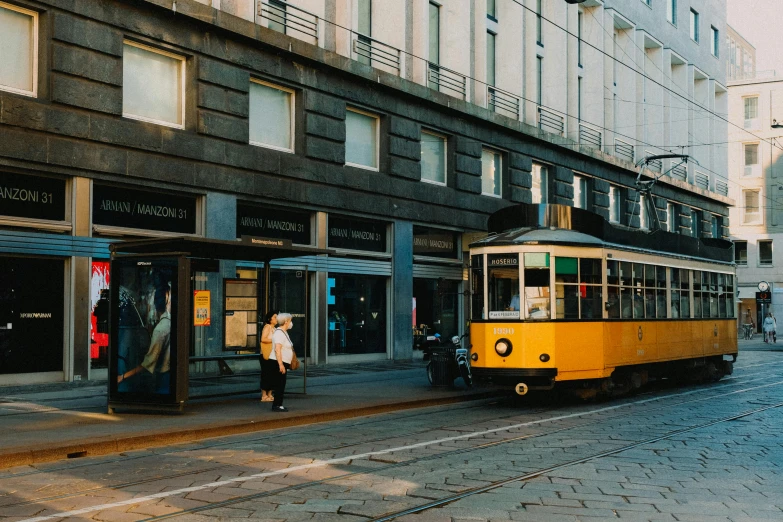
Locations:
70 450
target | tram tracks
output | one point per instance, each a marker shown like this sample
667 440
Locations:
350 459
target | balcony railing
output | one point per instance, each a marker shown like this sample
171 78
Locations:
702 180
550 121
589 136
679 172
446 80
502 102
374 53
623 150
288 19
722 188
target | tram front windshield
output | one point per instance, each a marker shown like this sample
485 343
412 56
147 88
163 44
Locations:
503 286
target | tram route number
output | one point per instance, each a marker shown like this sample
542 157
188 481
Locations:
503 331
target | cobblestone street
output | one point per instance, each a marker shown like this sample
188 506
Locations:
700 453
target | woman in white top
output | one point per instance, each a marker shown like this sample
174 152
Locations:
282 353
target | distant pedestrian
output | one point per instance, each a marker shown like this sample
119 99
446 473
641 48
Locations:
282 353
770 326
268 367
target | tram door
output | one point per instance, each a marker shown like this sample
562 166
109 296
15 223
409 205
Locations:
288 293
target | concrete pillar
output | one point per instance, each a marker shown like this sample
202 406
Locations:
402 291
80 268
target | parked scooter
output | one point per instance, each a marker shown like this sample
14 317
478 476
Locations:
447 362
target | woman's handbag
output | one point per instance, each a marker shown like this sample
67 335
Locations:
294 363
266 350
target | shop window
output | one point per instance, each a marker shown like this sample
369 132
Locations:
765 252
153 85
361 139
99 318
537 280
435 306
271 116
503 286
19 45
741 252
477 287
433 158
357 314
32 315
491 165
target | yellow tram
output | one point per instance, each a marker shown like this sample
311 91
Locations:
562 298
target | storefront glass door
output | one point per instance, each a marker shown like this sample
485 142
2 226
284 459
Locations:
436 306
357 314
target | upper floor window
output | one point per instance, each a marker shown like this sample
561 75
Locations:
644 216
751 104
752 213
741 252
271 116
434 36
696 225
490 58
492 9
433 157
694 26
614 204
18 50
716 223
765 252
752 167
671 218
539 28
361 139
153 87
715 41
671 11
540 183
491 164
579 23
580 192
648 2
364 28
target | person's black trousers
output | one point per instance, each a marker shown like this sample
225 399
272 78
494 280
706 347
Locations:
279 389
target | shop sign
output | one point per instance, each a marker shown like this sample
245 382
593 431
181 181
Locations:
35 197
273 222
128 208
500 260
434 243
357 234
266 241
202 315
764 297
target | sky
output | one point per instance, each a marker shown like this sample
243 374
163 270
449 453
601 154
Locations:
761 23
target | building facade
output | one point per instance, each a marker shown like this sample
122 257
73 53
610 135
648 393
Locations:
756 172
387 130
740 56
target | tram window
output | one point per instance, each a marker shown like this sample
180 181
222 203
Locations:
675 282
697 311
590 288
625 273
638 275
612 272
729 295
537 285
713 294
613 302
590 271
503 286
626 302
685 294
566 288
722 295
477 289
649 276
660 277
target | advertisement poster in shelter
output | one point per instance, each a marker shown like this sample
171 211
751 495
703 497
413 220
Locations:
144 327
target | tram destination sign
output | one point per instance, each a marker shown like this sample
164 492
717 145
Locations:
35 197
128 208
273 222
503 260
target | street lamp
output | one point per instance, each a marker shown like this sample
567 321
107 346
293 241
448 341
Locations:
775 124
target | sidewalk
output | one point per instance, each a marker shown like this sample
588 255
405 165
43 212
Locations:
53 422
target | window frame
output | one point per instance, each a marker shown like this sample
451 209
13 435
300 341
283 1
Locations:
738 261
671 8
377 118
542 171
715 41
771 262
671 218
290 91
500 174
693 26
33 53
759 220
583 191
182 78
618 202
445 157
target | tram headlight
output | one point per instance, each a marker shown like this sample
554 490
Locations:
503 347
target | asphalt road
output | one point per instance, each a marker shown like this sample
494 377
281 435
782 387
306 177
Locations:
695 453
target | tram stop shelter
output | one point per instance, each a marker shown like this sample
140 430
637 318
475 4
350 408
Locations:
186 314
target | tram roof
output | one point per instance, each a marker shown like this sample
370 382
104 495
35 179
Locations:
561 224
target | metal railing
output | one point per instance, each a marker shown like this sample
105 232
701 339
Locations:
589 136
701 180
502 102
442 79
373 52
623 150
679 172
722 188
288 19
550 121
